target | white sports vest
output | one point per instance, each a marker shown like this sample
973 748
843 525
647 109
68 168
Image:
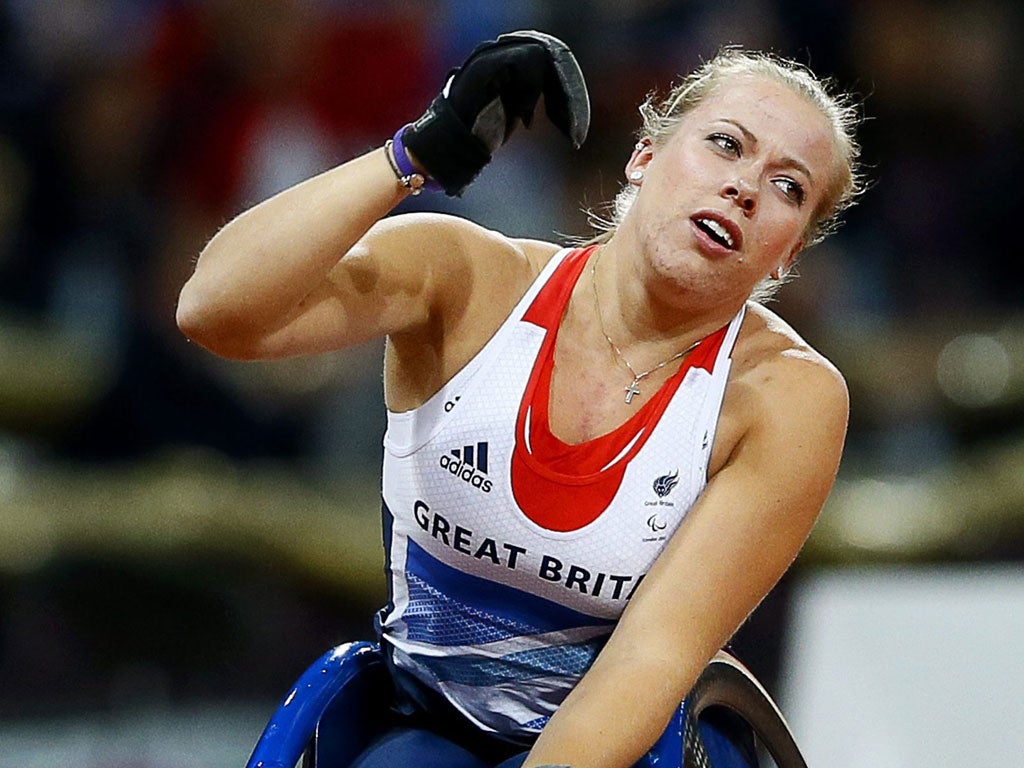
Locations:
508 568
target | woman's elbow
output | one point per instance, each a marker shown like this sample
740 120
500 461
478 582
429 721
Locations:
211 325
196 316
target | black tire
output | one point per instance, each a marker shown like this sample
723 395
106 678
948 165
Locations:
726 683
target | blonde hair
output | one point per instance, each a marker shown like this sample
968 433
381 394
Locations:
660 118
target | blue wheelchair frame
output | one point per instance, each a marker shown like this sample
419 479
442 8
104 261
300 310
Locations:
331 714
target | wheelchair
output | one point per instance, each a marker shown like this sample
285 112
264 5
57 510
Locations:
330 715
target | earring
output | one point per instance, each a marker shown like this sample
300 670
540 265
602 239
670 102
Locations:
636 176
640 145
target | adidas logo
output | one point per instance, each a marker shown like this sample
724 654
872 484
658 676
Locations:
469 464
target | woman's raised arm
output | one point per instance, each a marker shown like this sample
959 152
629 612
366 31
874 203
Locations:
273 283
302 272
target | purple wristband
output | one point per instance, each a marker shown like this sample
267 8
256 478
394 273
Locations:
405 164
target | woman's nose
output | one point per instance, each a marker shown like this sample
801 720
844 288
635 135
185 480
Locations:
742 193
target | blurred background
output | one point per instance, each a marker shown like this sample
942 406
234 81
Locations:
180 535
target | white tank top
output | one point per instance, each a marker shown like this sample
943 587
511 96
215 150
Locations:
511 555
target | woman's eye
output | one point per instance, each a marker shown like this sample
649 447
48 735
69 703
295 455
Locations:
726 143
791 189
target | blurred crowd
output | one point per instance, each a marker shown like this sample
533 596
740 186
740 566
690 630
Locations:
131 130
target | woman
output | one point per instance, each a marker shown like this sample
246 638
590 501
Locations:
555 414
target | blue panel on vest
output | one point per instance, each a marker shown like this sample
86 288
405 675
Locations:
559 661
449 607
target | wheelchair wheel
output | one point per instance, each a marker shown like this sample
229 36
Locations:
727 689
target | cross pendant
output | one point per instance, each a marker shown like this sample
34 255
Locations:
631 391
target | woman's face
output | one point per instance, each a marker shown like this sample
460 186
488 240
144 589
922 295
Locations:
727 199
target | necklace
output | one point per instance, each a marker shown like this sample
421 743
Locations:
632 390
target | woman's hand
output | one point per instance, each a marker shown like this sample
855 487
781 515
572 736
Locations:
497 87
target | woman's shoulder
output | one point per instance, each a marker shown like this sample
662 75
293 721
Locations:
772 355
779 385
536 252
472 276
446 237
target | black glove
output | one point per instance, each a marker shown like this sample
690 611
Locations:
498 84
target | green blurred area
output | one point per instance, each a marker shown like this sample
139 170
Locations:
968 505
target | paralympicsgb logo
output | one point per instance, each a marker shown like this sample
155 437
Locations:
469 464
663 485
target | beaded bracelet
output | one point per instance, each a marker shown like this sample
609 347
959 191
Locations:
405 171
412 181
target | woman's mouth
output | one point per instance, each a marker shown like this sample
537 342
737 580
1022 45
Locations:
718 230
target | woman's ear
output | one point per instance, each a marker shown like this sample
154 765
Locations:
794 252
783 268
636 167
